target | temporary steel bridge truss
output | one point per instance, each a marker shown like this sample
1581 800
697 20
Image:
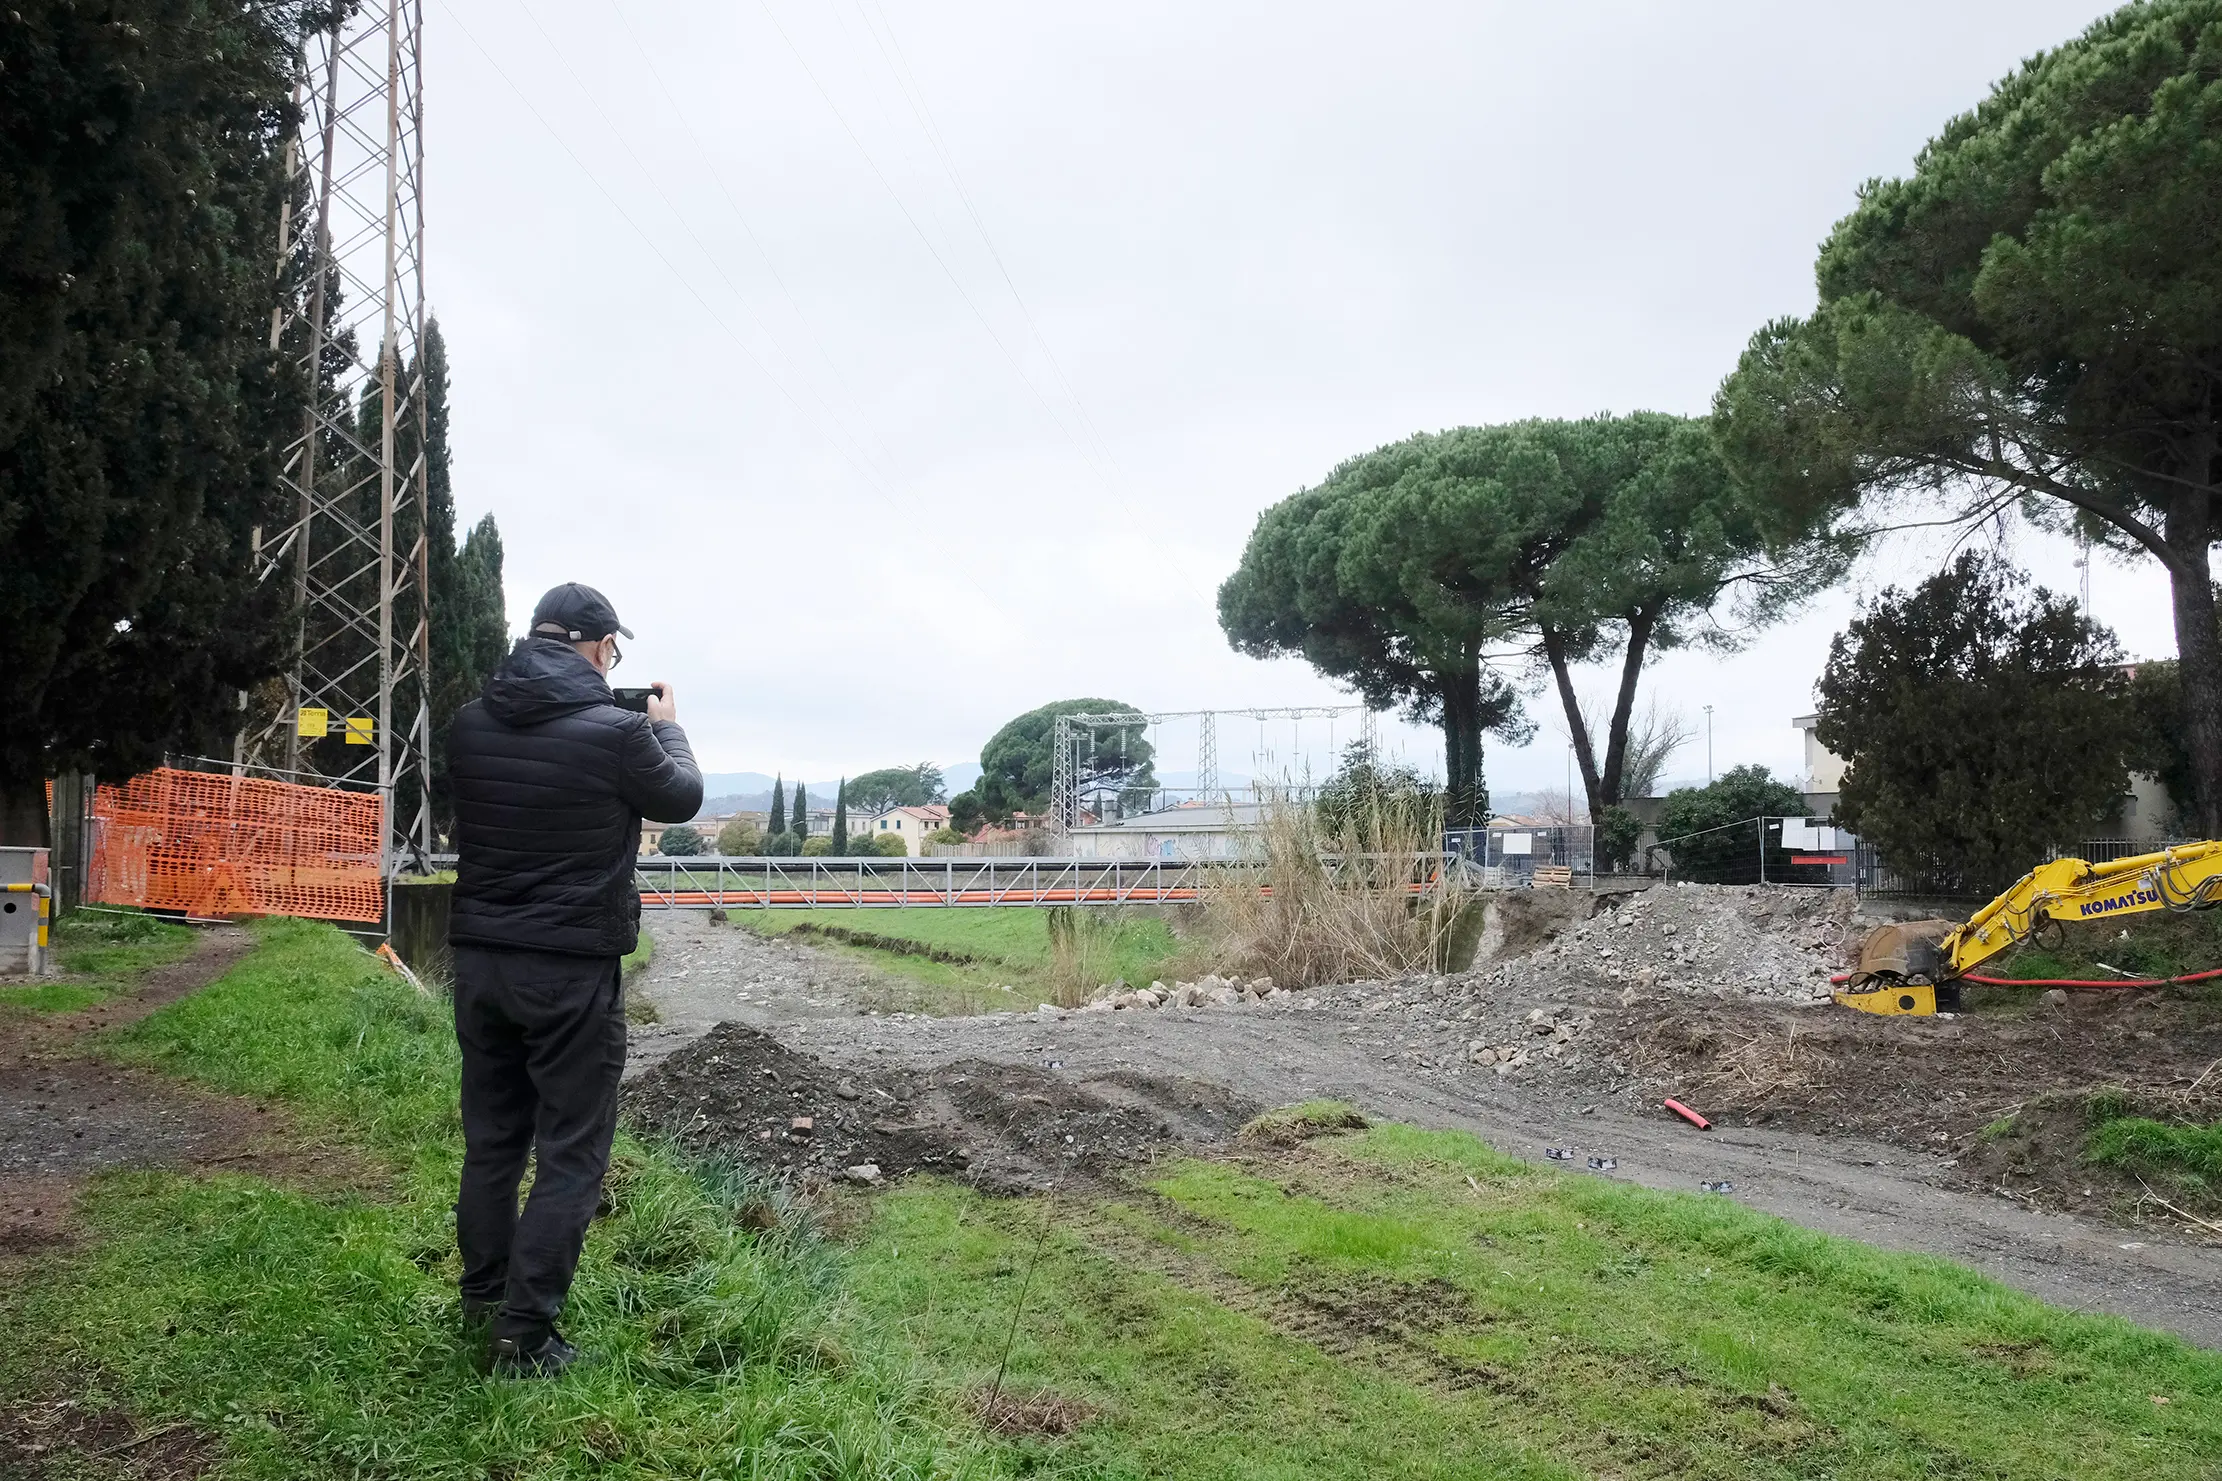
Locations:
355 711
868 883
891 884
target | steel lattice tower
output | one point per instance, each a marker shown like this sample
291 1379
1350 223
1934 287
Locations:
355 708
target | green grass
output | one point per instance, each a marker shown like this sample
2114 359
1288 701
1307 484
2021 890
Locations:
1010 948
2156 944
2184 1158
1381 1303
1362 1310
315 1335
105 951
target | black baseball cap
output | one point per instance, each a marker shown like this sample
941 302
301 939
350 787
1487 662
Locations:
576 613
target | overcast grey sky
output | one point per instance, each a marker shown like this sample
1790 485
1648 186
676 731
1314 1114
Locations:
899 367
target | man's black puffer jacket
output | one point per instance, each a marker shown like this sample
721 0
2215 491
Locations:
551 780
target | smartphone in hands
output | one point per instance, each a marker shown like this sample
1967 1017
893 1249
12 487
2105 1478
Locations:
636 700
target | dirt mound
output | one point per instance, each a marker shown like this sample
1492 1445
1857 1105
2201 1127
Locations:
1933 1083
2042 1155
1758 940
1003 1127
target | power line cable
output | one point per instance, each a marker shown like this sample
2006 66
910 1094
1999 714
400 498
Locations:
717 176
962 292
871 476
609 125
914 94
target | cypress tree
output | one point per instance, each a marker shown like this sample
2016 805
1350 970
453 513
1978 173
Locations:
841 817
142 410
468 627
779 805
799 824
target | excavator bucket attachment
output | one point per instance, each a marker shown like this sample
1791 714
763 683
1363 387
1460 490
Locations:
1917 999
1901 950
1898 967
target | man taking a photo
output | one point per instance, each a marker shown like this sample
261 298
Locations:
551 778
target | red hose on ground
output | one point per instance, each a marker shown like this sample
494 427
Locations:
1689 1115
1843 977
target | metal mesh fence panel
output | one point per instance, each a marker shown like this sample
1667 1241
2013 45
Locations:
217 844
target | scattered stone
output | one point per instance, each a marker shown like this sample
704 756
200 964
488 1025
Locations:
801 1126
847 1090
867 1173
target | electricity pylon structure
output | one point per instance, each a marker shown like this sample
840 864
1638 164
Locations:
1069 733
355 709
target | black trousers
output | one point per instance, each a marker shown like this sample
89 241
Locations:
543 1040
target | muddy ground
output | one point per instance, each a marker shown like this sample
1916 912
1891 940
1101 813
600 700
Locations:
1005 1127
1848 1123
66 1114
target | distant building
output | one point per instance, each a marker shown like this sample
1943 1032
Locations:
709 826
910 824
1192 830
1824 769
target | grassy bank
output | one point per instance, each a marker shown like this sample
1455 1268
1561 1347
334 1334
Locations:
963 957
1381 1303
100 953
2158 944
1405 1303
317 1335
2176 1156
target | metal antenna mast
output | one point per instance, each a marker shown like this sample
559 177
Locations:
356 708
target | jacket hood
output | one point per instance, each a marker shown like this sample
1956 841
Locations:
540 680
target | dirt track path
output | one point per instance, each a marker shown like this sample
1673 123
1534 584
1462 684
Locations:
1882 1195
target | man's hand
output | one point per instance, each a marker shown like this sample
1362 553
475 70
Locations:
661 704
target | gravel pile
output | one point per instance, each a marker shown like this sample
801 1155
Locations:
1763 941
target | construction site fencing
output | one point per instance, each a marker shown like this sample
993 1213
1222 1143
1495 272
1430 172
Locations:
1794 851
2107 850
1516 858
1878 876
993 848
217 845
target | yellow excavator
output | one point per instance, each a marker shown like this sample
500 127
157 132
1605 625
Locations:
1918 966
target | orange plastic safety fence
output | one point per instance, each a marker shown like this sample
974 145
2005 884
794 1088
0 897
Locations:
214 844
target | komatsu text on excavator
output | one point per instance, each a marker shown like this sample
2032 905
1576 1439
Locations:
1918 966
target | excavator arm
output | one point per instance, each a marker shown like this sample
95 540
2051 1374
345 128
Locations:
1916 966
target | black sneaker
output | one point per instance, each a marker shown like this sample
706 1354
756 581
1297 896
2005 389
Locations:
528 1357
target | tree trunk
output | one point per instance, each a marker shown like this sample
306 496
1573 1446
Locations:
2198 650
1577 729
1603 784
1466 799
23 814
1614 789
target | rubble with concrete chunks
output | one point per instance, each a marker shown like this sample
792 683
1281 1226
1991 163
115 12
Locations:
1212 991
1780 942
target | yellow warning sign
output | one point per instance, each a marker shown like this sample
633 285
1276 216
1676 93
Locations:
312 724
358 730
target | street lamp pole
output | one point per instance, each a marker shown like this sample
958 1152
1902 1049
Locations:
1708 745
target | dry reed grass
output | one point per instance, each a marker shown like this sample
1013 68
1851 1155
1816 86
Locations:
1347 896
